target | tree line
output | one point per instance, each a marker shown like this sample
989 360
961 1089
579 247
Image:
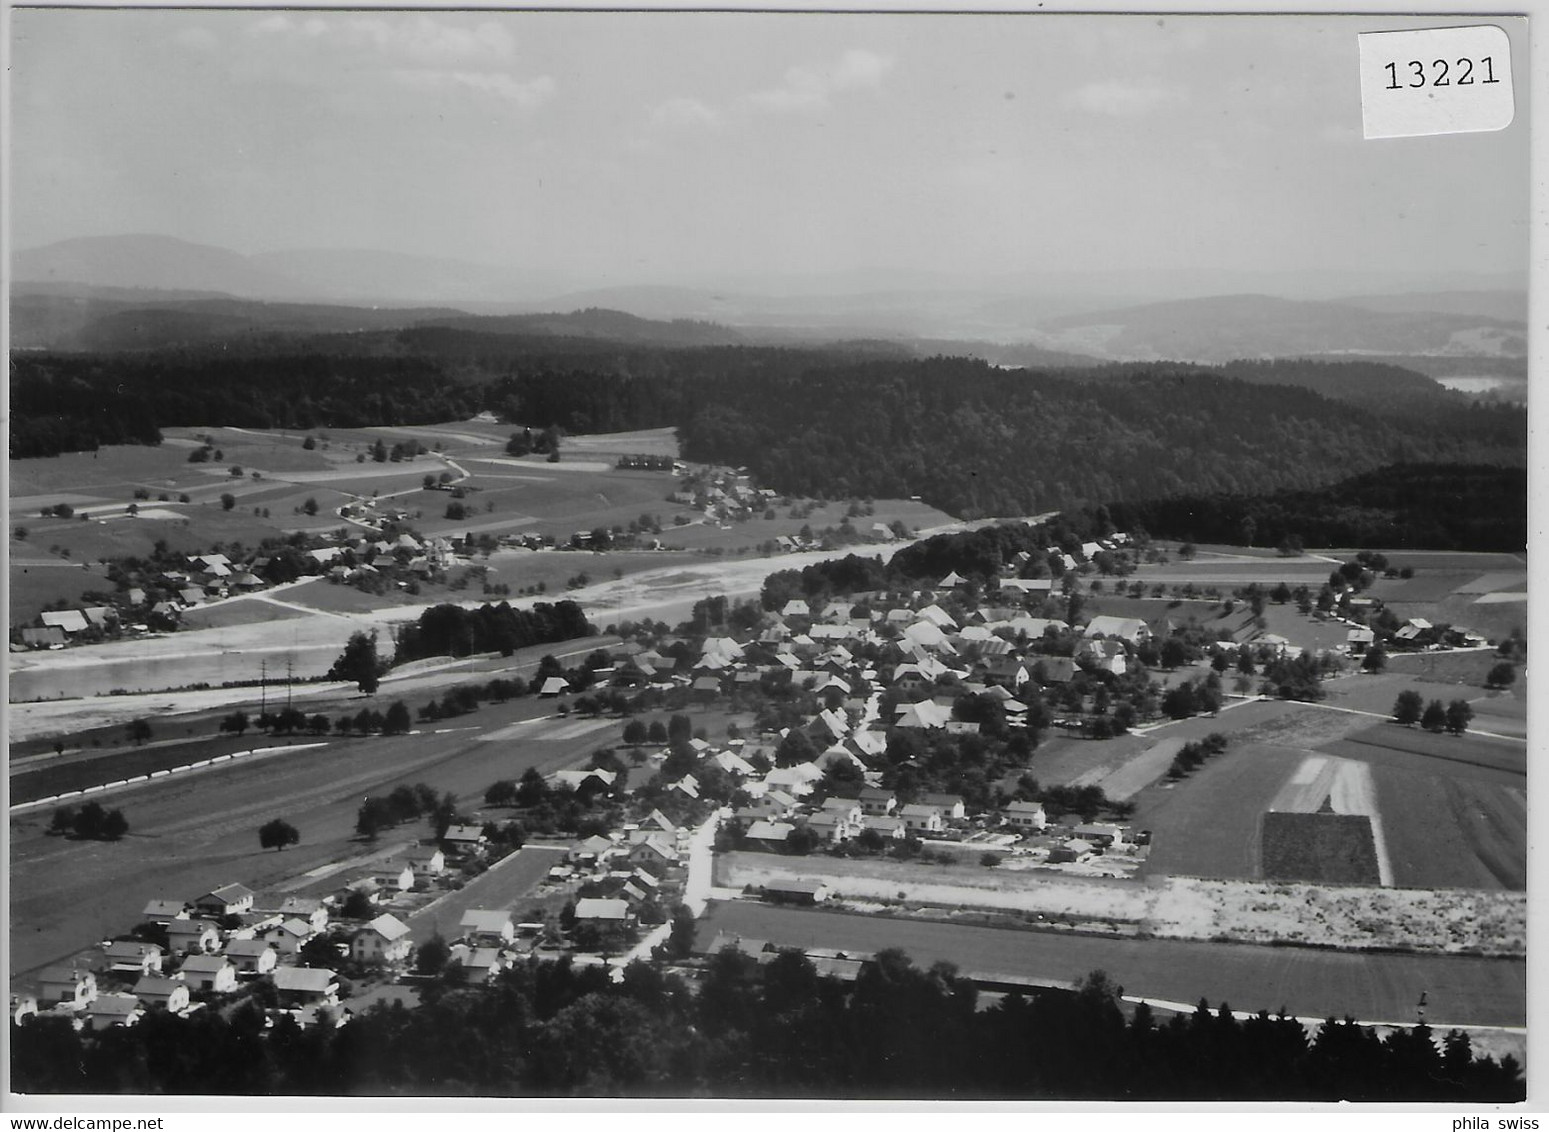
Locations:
751 1030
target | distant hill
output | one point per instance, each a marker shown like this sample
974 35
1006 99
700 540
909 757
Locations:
158 262
84 319
1260 326
1504 305
596 322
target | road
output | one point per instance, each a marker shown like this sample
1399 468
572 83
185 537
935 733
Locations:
1375 987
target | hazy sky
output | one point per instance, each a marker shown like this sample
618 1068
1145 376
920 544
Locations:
641 147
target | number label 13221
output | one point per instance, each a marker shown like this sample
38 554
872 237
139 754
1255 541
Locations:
1460 72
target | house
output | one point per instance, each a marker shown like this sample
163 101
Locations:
830 826
926 714
464 838
593 910
168 994
920 818
846 809
426 860
893 827
653 851
385 940
1028 585
193 936
1100 833
1072 850
758 949
112 1010
397 875
52 637
228 900
1056 669
1131 630
553 686
486 928
213 973
310 909
162 912
575 779
656 820
952 579
1026 817
952 806
290 936
66 986
305 985
796 891
477 963
795 608
1357 641
193 595
132 957
68 620
252 956
876 801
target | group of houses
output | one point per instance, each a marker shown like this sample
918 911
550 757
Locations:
185 951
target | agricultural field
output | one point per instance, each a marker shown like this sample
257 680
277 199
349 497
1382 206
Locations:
1208 824
1324 848
35 582
190 832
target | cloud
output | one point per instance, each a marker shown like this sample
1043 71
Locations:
808 89
1122 100
526 93
416 39
684 113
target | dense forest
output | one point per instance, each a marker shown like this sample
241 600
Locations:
963 435
757 1031
1435 506
450 630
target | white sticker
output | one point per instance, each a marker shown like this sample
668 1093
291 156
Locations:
1436 81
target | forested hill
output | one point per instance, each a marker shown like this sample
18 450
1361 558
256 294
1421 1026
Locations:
1438 507
963 435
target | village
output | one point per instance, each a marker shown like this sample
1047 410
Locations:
890 725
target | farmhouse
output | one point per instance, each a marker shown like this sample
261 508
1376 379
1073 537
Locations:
1131 630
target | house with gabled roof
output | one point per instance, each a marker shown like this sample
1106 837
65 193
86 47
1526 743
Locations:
213 973
227 900
161 911
921 818
193 936
290 936
600 911
382 942
298 985
252 956
1131 630
486 928
112 1010
1026 817
158 992
66 986
877 801
130 956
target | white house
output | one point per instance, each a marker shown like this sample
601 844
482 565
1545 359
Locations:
385 940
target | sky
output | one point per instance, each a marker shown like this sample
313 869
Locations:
619 148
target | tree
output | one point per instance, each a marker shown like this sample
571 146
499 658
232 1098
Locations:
1503 675
139 731
277 834
310 506
1408 707
310 443
228 501
236 723
359 663
432 956
1175 653
397 720
635 732
1434 718
358 906
1376 658
114 825
1459 713
657 732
